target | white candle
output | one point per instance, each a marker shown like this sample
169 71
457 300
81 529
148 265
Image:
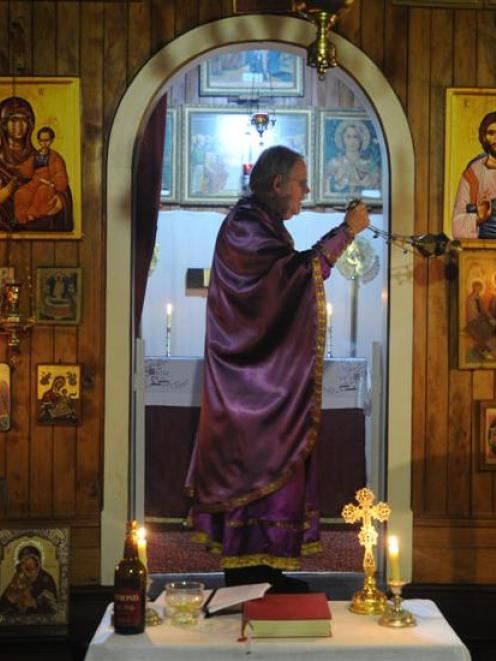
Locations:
169 315
142 546
329 314
394 558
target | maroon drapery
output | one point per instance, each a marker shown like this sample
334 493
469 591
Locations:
147 185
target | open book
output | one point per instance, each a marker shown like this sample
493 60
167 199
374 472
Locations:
223 598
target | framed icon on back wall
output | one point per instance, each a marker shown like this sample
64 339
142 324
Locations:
470 166
475 319
58 295
216 142
254 71
40 180
58 394
34 581
349 158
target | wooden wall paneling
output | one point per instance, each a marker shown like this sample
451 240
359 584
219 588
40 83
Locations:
209 10
65 438
322 94
41 457
418 117
84 566
372 30
91 247
464 54
114 56
185 16
162 23
66 254
41 437
436 485
484 42
227 8
138 36
345 96
4 38
349 24
67 38
459 444
20 54
44 38
464 551
483 482
484 487
395 63
18 438
483 384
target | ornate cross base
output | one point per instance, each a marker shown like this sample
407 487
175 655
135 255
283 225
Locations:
369 600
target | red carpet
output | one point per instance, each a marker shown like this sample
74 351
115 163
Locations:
171 552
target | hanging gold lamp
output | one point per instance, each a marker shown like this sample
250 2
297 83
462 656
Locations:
321 54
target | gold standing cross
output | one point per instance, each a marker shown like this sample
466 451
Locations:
369 600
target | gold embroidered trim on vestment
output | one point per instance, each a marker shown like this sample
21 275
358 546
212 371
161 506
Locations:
273 486
284 525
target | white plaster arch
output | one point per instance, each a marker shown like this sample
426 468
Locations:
132 112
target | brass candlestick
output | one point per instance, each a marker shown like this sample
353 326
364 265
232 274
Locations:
369 600
12 322
396 616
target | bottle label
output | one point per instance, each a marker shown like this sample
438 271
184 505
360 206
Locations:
127 607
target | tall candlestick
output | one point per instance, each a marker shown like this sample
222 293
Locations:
168 329
329 330
394 559
142 546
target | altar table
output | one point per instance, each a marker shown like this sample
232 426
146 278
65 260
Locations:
172 407
354 638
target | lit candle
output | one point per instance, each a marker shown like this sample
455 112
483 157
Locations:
394 559
169 315
142 546
329 314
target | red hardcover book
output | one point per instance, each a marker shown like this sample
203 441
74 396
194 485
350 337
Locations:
287 615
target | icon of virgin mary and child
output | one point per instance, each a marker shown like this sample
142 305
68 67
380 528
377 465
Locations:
34 184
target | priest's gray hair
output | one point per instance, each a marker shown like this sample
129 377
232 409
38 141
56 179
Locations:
272 162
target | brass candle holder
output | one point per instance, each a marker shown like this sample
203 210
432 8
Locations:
396 616
369 600
12 322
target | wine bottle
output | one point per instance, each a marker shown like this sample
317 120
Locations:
130 587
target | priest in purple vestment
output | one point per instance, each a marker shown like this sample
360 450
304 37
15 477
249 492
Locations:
253 474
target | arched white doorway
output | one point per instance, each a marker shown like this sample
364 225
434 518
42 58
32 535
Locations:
130 118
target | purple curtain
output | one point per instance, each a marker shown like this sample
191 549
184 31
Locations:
147 185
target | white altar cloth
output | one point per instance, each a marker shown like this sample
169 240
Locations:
354 638
177 381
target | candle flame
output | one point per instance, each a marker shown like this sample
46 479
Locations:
329 309
141 533
393 545
169 308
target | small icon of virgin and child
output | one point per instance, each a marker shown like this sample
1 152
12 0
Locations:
34 185
31 589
